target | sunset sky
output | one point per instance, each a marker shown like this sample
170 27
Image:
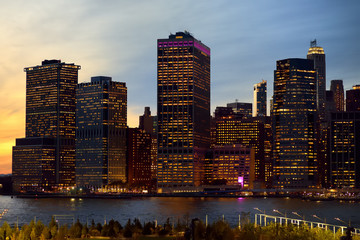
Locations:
118 39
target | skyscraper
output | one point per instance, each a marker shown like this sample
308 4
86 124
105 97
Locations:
148 123
260 99
353 99
138 157
101 109
294 124
241 109
183 110
337 88
317 54
345 149
45 159
229 128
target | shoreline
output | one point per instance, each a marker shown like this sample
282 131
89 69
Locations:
182 195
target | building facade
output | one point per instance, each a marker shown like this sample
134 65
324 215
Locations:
232 129
353 99
345 150
183 111
294 124
317 54
148 123
260 106
232 164
241 109
139 158
101 109
337 88
45 158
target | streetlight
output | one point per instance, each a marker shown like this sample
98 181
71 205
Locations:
296 214
277 211
319 218
259 210
343 221
263 212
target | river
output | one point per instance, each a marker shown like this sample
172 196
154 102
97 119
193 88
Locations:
23 210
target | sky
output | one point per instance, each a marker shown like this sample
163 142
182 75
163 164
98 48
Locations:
118 39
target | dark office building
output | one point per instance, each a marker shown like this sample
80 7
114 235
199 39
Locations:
345 150
353 99
45 158
337 88
183 111
148 123
241 109
294 124
317 54
139 158
260 99
101 107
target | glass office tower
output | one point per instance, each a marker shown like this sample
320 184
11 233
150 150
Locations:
183 111
45 159
294 124
101 109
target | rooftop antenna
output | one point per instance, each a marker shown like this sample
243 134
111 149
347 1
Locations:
313 43
187 32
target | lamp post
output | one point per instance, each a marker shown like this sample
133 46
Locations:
263 212
314 216
277 211
338 219
296 214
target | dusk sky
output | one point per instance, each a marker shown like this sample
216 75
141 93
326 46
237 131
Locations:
118 39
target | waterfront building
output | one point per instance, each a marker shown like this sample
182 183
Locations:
139 158
230 128
232 165
294 124
148 123
183 111
101 109
260 108
317 54
242 109
337 88
353 99
345 150
45 158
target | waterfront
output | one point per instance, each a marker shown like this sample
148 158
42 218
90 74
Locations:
23 210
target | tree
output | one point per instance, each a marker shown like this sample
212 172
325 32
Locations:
46 234
148 228
75 230
219 230
39 226
5 231
128 230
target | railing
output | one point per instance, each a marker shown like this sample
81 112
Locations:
264 219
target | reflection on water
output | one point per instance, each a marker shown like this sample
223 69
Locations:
149 209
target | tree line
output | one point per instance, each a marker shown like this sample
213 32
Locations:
181 230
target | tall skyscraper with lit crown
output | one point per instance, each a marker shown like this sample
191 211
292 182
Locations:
317 54
183 111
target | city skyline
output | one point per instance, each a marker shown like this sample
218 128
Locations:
246 41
